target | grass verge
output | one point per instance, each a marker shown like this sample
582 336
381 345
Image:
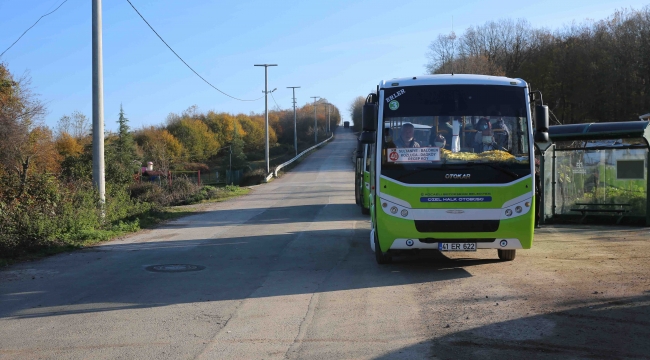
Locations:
147 220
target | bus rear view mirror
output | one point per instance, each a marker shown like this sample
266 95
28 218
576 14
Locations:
367 137
541 119
369 117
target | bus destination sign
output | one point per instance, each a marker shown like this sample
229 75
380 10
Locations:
410 155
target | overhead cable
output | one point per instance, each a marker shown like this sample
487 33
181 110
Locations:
276 103
39 19
181 59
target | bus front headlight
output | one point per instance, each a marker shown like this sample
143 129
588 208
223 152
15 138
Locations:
393 210
508 212
405 213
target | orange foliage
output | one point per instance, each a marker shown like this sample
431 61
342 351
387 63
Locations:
67 145
43 152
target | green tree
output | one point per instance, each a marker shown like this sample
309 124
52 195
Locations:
125 145
120 154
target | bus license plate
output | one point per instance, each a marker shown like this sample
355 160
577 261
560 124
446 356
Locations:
457 246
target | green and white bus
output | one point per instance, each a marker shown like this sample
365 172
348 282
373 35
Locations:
451 167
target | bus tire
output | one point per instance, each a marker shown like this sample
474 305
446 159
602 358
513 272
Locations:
364 210
382 258
507 255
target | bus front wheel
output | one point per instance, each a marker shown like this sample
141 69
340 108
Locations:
364 210
382 258
507 255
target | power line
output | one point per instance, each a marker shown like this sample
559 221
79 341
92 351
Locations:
276 103
39 19
181 59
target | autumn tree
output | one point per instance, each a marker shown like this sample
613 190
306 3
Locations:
238 157
67 145
221 124
160 147
356 108
76 124
590 71
198 141
253 127
20 136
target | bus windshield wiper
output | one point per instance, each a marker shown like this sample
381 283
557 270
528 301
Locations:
497 167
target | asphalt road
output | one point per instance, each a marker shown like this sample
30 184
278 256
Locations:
287 272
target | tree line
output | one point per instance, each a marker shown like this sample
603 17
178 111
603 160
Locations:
46 191
595 71
183 139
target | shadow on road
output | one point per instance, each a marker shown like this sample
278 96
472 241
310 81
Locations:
240 268
613 328
274 215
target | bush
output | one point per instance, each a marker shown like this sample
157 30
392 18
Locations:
150 193
254 156
279 149
182 192
47 214
254 177
51 214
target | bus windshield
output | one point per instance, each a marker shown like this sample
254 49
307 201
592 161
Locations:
457 126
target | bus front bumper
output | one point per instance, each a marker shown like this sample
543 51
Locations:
401 234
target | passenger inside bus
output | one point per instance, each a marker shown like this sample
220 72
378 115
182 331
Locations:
502 135
437 140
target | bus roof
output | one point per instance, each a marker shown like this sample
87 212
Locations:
448 79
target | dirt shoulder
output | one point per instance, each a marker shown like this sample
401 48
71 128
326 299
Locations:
580 292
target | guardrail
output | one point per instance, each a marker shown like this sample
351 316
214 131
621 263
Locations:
274 173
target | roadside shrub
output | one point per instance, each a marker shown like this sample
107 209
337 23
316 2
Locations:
151 193
254 177
45 215
183 190
52 213
279 149
254 156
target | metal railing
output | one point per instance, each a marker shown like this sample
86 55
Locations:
274 173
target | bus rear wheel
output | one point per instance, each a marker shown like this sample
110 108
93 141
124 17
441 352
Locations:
507 255
382 258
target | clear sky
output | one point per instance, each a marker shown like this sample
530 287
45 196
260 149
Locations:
336 49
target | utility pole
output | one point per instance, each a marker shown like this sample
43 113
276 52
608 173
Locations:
329 130
295 128
230 151
98 103
315 122
266 112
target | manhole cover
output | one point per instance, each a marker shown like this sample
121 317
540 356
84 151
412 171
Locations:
174 268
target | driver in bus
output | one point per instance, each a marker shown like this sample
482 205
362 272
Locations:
406 139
